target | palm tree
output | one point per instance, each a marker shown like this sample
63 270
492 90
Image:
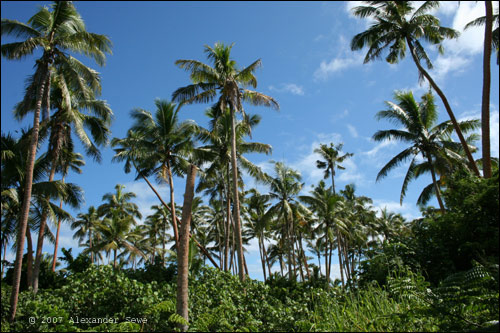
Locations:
285 188
87 225
216 177
13 178
72 160
69 104
158 222
398 25
56 31
224 78
332 160
183 253
327 207
164 145
115 234
257 205
118 204
427 140
490 40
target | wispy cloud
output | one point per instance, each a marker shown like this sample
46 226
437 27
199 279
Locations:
408 211
336 65
352 131
291 88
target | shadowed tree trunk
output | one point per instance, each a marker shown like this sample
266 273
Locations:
183 253
485 107
54 258
27 194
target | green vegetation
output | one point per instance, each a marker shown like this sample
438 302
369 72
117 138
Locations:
435 273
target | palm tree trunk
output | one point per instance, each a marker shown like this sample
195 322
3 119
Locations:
29 260
43 222
172 204
183 253
341 263
27 193
262 259
3 262
447 107
54 257
228 224
436 186
485 107
114 258
236 200
177 219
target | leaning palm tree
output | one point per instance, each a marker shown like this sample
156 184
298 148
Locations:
224 78
398 25
57 32
163 146
490 40
427 140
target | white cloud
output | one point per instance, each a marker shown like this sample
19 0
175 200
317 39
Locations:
289 88
352 131
146 197
326 69
409 212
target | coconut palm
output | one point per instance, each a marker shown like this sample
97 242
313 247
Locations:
224 78
426 139
72 160
216 178
399 25
327 207
70 104
57 32
256 206
332 160
490 40
87 225
164 145
284 188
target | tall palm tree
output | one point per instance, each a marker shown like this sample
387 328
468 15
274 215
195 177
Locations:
490 40
118 203
327 207
332 160
57 32
284 188
218 141
398 25
164 145
426 139
158 222
224 78
257 205
70 103
87 225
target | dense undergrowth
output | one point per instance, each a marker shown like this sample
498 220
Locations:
104 299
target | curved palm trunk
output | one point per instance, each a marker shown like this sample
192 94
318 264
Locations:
236 200
54 257
436 186
262 259
27 195
447 107
183 253
485 107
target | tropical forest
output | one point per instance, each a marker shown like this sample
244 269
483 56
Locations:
249 166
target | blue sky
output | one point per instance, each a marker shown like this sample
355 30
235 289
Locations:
326 93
